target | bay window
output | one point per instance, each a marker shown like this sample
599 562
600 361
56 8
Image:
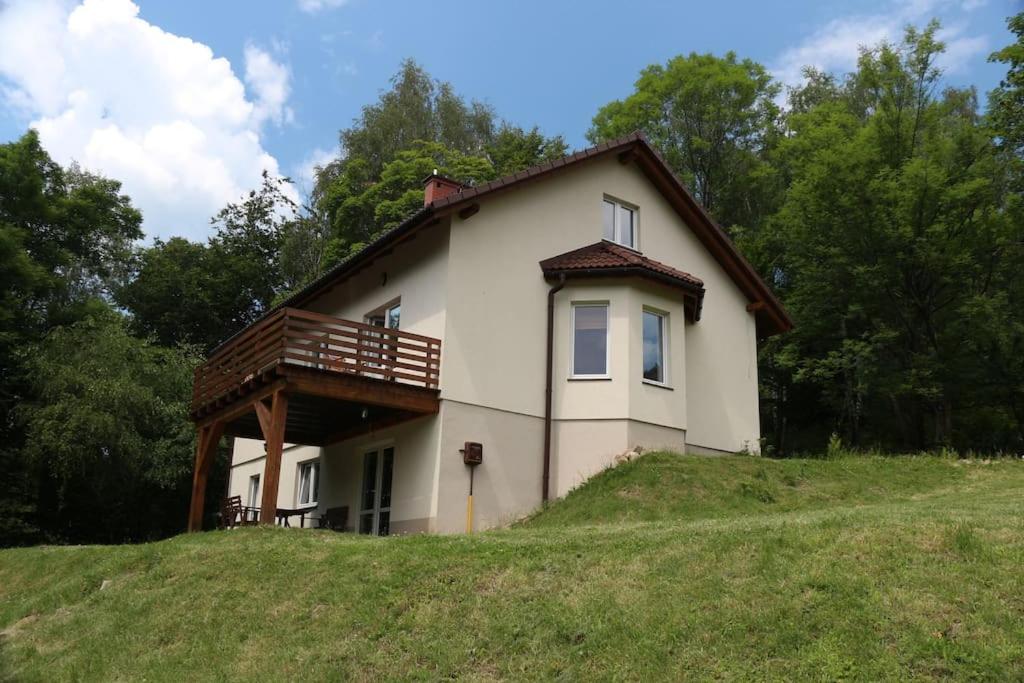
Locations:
590 340
654 346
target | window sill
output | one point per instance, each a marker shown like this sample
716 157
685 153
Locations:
589 378
659 385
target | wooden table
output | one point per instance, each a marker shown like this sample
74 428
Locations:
284 513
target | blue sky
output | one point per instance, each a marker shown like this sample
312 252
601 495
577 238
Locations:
187 101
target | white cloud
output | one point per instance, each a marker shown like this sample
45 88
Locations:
835 47
304 173
313 6
269 82
155 110
960 49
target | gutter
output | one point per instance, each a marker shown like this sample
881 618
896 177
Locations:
545 485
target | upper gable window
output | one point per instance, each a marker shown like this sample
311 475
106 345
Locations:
619 223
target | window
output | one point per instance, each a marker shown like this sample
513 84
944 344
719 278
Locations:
375 503
309 482
590 340
387 317
654 346
619 224
254 491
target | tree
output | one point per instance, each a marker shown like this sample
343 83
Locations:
418 125
64 238
108 425
713 118
189 293
417 107
892 244
303 249
1006 103
183 294
513 149
361 212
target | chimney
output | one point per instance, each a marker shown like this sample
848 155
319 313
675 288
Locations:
436 186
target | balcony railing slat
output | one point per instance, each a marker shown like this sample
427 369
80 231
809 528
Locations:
294 336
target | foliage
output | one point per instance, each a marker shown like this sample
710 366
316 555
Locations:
417 126
190 293
660 569
417 107
364 211
64 238
895 250
713 118
108 425
513 149
1006 106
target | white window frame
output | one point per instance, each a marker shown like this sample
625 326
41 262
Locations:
617 226
664 317
314 484
253 491
377 508
607 340
382 313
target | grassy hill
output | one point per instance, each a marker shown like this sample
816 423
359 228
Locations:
671 566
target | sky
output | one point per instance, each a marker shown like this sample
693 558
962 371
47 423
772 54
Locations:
187 102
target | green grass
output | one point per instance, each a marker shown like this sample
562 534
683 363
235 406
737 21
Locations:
666 568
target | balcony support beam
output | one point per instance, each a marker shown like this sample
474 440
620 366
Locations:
274 438
206 451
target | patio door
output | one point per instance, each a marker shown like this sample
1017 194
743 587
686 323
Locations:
375 502
388 318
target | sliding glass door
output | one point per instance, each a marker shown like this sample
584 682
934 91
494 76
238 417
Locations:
375 502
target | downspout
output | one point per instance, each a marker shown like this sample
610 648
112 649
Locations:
549 385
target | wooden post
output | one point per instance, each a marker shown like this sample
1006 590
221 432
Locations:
272 464
206 451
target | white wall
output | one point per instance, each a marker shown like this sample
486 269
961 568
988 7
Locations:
249 457
413 481
493 346
416 272
508 483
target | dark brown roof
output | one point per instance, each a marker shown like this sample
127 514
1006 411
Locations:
634 148
607 259
608 255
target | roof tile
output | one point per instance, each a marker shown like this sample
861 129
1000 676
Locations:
606 255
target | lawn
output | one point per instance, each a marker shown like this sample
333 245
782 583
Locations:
670 567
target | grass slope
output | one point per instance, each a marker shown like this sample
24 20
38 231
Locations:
668 567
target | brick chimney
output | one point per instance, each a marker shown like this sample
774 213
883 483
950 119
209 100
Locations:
436 186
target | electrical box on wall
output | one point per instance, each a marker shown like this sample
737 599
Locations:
473 453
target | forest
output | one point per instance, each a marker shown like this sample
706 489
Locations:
883 206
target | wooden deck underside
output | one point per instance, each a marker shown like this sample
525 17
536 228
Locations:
324 406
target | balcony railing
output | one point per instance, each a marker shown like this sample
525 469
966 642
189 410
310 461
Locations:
295 337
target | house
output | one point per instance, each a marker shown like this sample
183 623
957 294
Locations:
556 317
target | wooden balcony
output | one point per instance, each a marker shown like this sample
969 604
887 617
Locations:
304 339
307 378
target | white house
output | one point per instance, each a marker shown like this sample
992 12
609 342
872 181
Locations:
557 317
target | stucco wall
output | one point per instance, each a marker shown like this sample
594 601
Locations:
413 480
508 483
585 447
494 353
248 458
416 272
